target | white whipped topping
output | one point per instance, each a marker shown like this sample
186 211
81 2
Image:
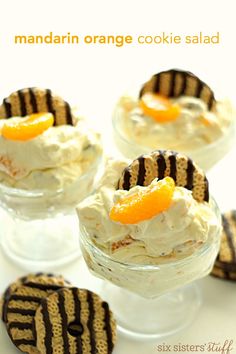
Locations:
52 160
174 233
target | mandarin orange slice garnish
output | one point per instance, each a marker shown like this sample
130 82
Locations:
145 204
159 107
28 127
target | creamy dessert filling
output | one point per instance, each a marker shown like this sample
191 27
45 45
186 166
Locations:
53 159
147 224
188 124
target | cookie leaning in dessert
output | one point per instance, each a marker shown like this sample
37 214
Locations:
21 301
225 264
74 321
162 163
28 101
176 83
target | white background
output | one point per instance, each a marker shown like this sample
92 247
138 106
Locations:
93 77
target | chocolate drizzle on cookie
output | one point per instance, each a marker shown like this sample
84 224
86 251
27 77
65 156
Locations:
62 311
23 110
20 311
141 172
164 163
90 322
190 172
126 182
19 342
77 314
161 163
44 287
69 117
176 82
107 327
36 100
7 107
33 100
172 159
19 325
26 298
48 327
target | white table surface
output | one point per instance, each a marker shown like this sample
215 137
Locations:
216 321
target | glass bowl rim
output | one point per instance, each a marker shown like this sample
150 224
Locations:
149 267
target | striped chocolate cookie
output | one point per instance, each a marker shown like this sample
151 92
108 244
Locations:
225 264
22 304
161 163
176 82
74 321
6 295
36 100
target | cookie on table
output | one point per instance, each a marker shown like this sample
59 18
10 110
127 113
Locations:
225 264
21 305
161 163
74 321
36 100
176 83
7 293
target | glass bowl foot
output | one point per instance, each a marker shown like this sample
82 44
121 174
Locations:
152 318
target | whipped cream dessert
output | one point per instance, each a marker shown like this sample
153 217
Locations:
194 128
174 239
51 160
174 110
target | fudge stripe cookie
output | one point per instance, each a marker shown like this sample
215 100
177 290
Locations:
162 163
36 100
74 321
225 264
176 82
22 305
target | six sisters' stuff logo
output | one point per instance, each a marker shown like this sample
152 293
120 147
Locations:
225 347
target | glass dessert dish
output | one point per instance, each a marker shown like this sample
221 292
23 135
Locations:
41 229
50 160
200 129
152 300
150 231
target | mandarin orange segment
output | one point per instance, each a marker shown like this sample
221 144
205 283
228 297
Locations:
205 121
28 127
145 204
159 107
